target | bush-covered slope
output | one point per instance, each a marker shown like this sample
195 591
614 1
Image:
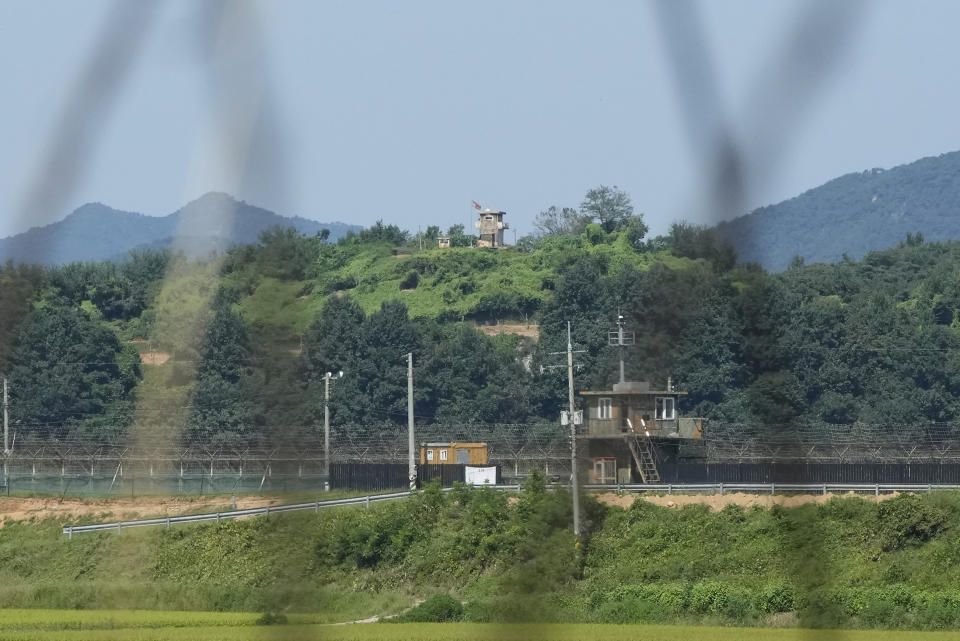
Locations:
847 563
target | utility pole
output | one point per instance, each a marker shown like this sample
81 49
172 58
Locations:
411 462
6 426
573 439
326 427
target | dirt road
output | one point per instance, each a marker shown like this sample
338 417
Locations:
20 509
718 501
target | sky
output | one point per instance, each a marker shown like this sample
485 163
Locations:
358 111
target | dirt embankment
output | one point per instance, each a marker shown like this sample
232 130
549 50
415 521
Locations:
719 501
20 509
531 330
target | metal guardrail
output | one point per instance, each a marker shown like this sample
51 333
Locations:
118 526
316 506
666 488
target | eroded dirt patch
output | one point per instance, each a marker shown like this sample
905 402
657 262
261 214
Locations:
719 501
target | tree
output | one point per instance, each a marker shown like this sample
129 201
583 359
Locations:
609 206
221 399
636 231
17 286
387 336
333 341
286 253
697 241
458 237
67 369
560 221
468 379
378 233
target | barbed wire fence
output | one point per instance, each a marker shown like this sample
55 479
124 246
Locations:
78 466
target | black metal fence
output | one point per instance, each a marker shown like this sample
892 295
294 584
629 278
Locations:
948 473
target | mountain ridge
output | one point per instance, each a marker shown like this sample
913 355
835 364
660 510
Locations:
853 214
94 231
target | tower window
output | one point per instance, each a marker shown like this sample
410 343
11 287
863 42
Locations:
665 408
605 408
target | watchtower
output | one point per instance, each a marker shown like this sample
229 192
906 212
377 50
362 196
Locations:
490 226
630 421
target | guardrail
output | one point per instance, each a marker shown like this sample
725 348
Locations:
118 526
666 488
316 506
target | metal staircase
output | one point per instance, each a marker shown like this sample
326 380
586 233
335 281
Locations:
642 450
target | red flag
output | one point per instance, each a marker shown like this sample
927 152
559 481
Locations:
476 205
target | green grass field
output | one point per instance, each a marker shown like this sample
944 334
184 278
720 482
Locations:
29 625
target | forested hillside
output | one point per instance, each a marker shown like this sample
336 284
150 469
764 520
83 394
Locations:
854 214
234 349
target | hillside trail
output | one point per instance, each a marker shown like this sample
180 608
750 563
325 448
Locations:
379 617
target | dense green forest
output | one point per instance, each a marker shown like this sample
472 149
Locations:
235 347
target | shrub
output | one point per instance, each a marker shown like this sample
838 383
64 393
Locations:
272 618
410 281
709 597
440 608
775 598
908 520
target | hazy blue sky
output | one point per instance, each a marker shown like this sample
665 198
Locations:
407 111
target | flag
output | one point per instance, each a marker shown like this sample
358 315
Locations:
476 205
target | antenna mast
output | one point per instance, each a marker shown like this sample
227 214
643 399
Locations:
620 338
